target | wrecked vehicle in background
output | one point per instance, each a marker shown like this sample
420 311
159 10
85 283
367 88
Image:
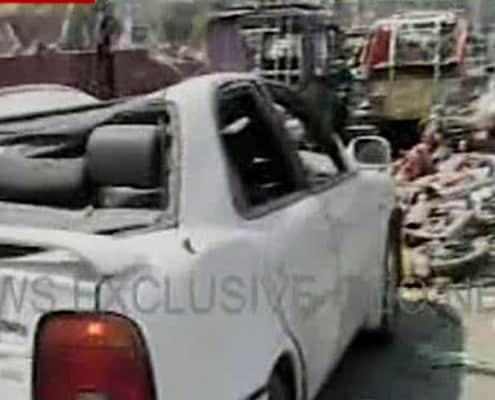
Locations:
410 60
285 42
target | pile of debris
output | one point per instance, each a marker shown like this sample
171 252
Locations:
446 186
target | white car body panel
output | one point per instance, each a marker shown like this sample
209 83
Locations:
228 350
28 99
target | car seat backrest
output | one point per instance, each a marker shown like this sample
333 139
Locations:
125 156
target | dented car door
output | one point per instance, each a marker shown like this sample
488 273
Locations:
302 288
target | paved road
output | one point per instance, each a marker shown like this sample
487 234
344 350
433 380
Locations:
404 370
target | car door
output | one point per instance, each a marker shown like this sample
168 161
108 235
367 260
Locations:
346 204
271 194
351 209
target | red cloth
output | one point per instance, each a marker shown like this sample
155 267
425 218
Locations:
378 48
462 38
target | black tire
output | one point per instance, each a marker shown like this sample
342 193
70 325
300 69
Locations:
277 389
390 295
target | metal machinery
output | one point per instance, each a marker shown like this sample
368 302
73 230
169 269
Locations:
288 41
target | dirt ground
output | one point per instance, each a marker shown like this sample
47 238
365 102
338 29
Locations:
407 369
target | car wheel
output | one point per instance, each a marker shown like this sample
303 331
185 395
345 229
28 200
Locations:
389 294
390 307
277 389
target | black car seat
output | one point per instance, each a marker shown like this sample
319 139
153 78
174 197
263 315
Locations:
126 165
44 181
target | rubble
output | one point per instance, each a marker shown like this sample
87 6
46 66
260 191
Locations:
456 258
446 186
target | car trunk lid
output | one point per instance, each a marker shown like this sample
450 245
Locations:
43 271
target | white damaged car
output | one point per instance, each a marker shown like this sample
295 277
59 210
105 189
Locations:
184 245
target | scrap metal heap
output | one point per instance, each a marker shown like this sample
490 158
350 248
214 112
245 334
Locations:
446 184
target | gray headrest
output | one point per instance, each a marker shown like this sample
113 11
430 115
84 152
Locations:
125 155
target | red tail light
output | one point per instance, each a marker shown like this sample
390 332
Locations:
91 357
